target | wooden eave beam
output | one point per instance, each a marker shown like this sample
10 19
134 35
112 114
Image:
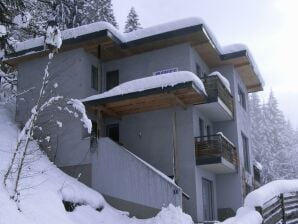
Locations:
178 100
242 65
109 112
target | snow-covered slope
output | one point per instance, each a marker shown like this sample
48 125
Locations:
44 187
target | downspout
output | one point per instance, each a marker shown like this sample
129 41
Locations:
175 161
99 115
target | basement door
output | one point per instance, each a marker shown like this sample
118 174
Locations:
207 199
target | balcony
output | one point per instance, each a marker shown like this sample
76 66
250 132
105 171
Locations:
219 105
216 154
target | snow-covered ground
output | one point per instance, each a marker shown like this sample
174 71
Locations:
44 187
247 214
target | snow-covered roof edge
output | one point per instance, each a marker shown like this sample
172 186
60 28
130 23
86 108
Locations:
126 39
150 82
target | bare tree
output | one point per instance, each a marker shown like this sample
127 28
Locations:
22 152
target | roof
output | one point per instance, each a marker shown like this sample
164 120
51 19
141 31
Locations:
150 93
108 43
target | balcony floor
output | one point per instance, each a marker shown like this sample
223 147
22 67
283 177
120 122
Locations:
218 165
216 111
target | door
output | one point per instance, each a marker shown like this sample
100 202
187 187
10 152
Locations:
207 199
208 132
113 132
201 127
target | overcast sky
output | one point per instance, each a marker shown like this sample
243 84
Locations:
267 27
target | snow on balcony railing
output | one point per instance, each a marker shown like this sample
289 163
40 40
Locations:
272 203
213 146
218 86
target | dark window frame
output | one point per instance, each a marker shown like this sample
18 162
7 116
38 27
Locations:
112 79
202 127
198 70
246 154
110 126
211 195
241 98
94 78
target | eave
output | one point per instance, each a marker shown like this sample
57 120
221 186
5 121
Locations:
105 45
181 95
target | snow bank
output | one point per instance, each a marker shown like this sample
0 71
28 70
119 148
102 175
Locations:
44 186
245 216
259 197
223 79
268 191
151 82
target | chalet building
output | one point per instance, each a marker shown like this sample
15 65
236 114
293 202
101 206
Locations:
169 111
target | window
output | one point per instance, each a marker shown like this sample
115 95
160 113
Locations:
208 129
201 126
207 194
94 131
241 98
94 78
246 153
112 79
198 71
113 132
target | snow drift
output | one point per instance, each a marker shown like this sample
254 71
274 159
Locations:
44 187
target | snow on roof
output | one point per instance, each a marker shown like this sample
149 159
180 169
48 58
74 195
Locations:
224 80
123 37
151 82
143 33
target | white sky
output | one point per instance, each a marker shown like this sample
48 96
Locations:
267 27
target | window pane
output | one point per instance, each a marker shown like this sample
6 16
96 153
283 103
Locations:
112 79
241 98
94 77
246 153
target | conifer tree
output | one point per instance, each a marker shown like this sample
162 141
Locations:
101 10
132 22
274 142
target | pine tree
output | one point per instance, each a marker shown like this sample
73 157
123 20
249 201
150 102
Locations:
67 13
101 10
132 22
274 141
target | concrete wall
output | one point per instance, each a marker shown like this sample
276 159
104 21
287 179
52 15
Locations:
71 70
229 186
149 135
143 65
119 174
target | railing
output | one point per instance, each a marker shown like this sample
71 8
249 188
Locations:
215 146
215 88
280 209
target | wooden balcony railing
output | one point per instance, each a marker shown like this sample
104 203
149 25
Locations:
215 146
215 88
